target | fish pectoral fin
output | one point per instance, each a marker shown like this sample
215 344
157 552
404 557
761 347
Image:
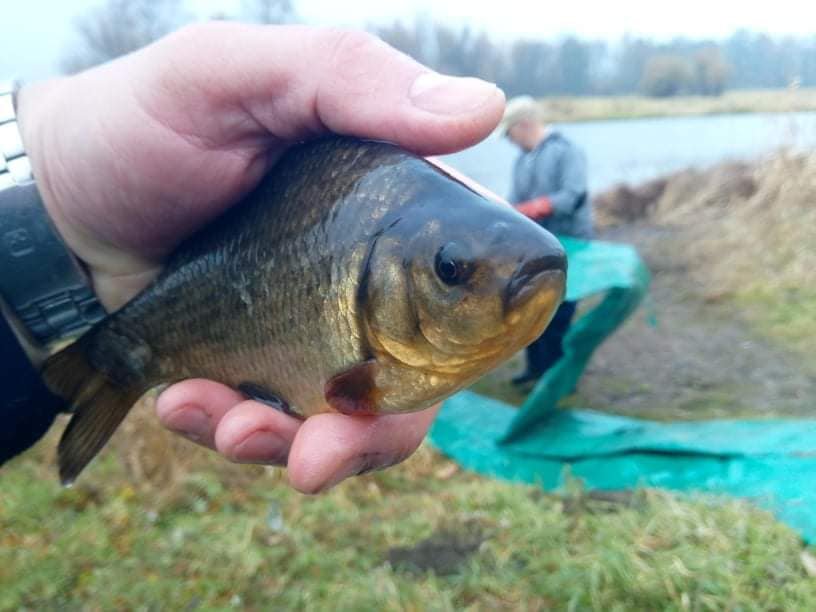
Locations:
354 391
259 393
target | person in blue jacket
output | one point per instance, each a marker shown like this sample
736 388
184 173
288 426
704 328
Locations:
115 166
549 186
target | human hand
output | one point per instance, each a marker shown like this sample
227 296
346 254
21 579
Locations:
133 156
536 209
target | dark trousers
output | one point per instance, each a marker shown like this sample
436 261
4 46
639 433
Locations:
548 347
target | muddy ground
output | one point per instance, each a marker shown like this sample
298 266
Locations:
701 360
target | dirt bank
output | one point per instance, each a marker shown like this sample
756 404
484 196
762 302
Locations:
712 239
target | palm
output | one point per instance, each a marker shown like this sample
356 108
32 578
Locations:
163 178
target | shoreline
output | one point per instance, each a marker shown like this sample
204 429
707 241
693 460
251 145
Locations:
575 109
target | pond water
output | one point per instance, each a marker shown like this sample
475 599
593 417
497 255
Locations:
635 150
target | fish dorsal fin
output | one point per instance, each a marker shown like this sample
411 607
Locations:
354 391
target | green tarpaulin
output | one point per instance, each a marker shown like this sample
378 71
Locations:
773 463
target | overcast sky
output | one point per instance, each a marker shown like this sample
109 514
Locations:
35 33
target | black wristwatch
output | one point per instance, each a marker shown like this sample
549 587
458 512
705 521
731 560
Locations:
41 282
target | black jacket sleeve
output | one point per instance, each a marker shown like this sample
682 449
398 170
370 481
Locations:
27 408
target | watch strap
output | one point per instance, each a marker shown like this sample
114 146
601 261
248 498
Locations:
40 279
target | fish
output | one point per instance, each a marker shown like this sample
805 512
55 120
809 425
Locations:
357 277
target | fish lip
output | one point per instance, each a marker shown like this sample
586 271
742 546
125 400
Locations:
529 277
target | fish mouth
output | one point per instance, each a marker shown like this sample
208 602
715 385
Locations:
542 275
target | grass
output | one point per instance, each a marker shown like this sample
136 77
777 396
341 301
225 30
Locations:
758 250
423 536
630 107
159 524
786 315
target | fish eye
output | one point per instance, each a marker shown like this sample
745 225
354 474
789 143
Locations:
450 269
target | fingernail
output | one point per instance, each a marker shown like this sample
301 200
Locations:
191 422
446 95
261 447
359 465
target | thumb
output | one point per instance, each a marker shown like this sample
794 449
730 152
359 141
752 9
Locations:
295 82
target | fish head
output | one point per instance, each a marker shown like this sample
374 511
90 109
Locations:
458 283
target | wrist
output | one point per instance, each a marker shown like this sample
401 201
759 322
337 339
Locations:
45 290
32 105
39 106
54 134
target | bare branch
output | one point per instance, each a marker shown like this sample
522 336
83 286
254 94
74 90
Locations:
120 27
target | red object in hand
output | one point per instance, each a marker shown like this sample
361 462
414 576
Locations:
535 209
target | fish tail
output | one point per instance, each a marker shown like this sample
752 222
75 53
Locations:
98 405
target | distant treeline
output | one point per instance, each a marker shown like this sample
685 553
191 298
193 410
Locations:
571 66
